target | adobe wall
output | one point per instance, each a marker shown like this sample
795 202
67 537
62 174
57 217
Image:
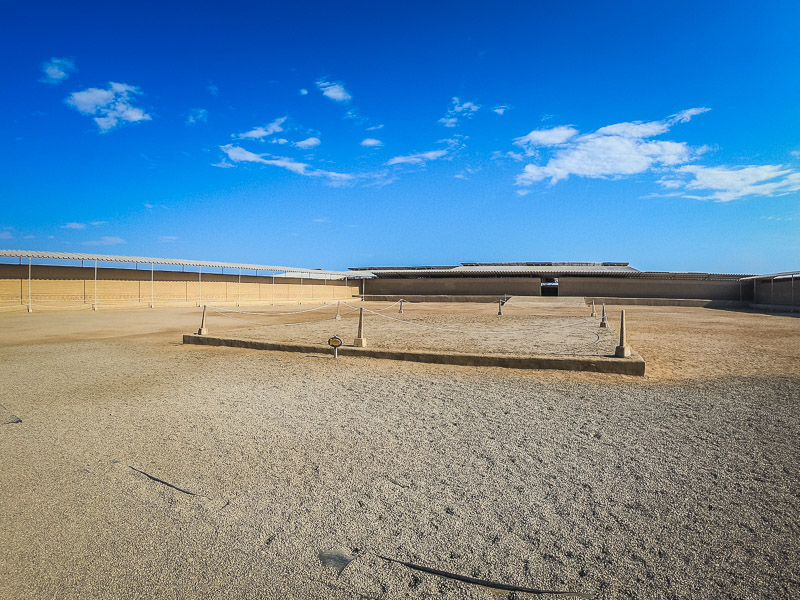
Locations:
620 287
454 286
780 294
54 285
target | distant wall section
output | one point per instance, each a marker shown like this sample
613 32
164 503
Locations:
454 286
57 285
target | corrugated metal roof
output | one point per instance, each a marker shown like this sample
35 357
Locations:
35 254
783 275
506 270
554 272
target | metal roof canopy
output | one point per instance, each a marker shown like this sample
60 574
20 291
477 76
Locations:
551 272
35 254
785 274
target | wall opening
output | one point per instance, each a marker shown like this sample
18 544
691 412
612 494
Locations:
549 287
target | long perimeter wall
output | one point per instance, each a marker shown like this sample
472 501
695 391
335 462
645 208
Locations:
614 286
56 285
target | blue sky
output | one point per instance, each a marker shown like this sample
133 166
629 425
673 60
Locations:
367 133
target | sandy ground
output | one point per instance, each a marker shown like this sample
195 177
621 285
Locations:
682 484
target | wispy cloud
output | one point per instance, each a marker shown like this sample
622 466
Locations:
73 226
371 143
197 115
321 220
501 109
612 151
259 133
110 106
106 240
212 89
98 223
545 137
167 238
724 184
237 154
6 235
334 91
457 111
417 159
303 92
311 142
57 70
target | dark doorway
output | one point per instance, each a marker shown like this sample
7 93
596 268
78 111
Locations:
549 287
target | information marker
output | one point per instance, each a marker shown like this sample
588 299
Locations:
334 343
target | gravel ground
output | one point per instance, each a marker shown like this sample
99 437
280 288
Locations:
683 484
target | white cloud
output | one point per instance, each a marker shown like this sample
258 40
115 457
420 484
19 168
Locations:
73 226
106 240
259 133
6 235
110 107
417 159
611 151
466 110
238 154
730 183
212 89
57 70
98 223
501 109
375 127
334 91
545 137
321 220
280 141
197 115
167 238
371 143
311 142
523 192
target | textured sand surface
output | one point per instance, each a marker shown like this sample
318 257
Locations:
684 484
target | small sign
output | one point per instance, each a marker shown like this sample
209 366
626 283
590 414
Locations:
334 343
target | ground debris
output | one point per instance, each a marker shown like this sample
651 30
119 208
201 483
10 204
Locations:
7 417
337 558
161 481
493 585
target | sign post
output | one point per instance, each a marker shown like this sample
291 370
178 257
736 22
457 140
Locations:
334 343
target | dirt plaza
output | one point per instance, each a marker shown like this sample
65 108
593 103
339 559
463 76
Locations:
135 466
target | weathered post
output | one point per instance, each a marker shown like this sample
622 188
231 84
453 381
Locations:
360 341
604 317
203 330
500 309
338 317
623 350
30 305
94 301
401 307
594 311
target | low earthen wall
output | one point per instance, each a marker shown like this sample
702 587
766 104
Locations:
56 285
454 286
